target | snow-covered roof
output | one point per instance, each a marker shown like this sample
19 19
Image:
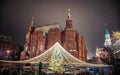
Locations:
46 28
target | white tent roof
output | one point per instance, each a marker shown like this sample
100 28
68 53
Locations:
46 57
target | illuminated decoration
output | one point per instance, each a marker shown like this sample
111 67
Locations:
110 52
44 37
102 53
116 35
56 62
116 43
57 52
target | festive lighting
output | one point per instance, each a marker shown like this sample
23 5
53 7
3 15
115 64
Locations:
47 56
8 51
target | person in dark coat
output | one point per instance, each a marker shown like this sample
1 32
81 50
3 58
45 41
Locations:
5 72
40 68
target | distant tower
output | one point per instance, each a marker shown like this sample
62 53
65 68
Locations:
69 42
97 50
29 33
31 27
107 38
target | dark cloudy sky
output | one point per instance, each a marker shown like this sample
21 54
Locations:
88 17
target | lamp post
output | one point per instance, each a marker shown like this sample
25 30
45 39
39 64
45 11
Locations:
8 54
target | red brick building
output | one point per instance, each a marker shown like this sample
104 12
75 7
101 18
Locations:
39 39
8 48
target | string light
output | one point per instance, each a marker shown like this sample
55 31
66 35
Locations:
46 57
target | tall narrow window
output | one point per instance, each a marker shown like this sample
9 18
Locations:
33 49
26 48
41 47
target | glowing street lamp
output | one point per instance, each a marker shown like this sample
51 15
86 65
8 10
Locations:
8 53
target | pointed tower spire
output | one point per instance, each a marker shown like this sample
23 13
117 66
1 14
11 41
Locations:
69 21
69 16
31 27
107 37
32 22
106 31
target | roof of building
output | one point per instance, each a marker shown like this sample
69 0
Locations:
46 28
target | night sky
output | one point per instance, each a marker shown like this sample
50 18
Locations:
89 18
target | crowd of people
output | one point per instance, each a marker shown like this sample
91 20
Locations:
78 71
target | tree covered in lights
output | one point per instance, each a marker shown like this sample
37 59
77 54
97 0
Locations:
111 52
115 49
116 43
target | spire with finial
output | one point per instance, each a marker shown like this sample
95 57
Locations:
32 22
31 27
106 30
69 21
107 37
69 16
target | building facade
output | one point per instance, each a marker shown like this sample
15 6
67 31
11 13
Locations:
40 39
8 49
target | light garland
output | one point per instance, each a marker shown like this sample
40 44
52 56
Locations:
46 57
